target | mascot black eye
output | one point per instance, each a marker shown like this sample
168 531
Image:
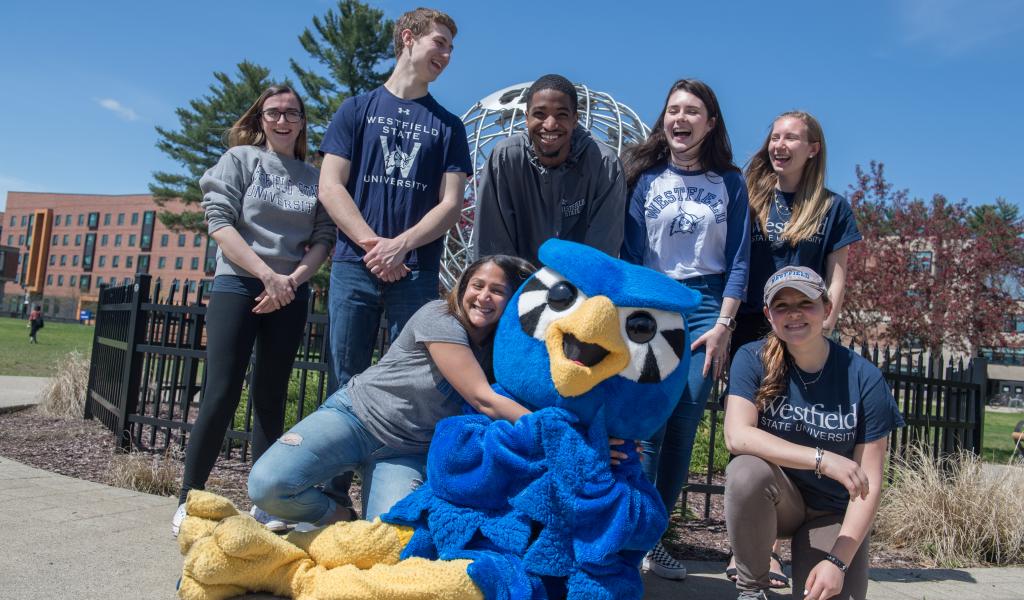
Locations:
641 327
561 295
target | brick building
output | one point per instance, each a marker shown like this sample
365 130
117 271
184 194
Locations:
70 244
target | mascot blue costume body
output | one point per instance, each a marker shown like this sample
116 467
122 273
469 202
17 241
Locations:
598 348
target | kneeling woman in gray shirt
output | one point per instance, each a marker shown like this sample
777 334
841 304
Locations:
382 421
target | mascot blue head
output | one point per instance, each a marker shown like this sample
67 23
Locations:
589 332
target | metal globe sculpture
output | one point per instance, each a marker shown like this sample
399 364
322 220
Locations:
502 113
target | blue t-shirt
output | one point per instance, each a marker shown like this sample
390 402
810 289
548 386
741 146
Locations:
400 151
850 404
768 253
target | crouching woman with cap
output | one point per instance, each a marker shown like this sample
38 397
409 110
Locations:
809 421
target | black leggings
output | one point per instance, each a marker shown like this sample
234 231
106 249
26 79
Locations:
231 330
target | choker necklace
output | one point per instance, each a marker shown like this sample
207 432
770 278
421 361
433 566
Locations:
817 376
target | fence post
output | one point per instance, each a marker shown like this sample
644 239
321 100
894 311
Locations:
132 373
92 356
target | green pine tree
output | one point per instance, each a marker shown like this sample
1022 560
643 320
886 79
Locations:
201 139
352 44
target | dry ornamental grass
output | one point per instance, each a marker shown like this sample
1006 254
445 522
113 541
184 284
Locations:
65 395
956 512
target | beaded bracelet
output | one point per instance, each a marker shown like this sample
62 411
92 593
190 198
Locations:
818 455
832 558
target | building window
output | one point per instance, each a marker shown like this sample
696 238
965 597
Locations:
83 282
81 220
103 260
13 220
78 239
210 260
53 259
67 220
57 221
71 281
120 218
195 263
106 218
65 239
53 242
49 279
99 282
63 259
128 261
21 240
88 251
197 241
74 260
131 240
135 218
117 240
164 239
24 220
179 263
60 280
181 240
10 240
94 220
104 239
114 260
143 263
146 239
161 262
921 261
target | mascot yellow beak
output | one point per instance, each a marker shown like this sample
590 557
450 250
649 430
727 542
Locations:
586 347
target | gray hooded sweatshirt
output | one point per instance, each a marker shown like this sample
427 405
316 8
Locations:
521 203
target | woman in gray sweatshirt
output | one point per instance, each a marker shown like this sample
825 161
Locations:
272 235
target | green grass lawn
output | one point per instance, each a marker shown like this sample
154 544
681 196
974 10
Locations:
997 446
18 357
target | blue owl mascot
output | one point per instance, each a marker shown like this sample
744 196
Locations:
596 348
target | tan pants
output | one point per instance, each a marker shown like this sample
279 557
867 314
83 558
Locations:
762 504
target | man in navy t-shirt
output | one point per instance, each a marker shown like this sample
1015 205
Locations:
394 171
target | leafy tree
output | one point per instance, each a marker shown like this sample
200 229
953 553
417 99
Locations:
201 139
352 45
937 275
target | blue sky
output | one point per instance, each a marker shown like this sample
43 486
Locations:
931 87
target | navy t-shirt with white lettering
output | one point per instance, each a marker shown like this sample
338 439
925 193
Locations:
850 404
768 253
399 150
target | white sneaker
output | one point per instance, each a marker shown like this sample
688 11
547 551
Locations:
304 527
179 516
275 524
662 564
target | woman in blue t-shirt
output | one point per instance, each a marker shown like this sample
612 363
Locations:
687 216
796 220
809 422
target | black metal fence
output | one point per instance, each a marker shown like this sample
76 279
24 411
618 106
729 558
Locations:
149 351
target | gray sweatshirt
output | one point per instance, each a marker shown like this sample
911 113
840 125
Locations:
272 201
521 203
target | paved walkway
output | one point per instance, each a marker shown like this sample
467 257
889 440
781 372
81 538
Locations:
20 392
70 539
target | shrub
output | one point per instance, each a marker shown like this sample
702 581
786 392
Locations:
956 511
64 396
148 473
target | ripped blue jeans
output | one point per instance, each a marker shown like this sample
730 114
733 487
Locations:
327 442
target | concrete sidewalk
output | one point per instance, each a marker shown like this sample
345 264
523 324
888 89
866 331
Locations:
70 539
17 393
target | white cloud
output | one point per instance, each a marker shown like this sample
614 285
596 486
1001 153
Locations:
953 27
118 109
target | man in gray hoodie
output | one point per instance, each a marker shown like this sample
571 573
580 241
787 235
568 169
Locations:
553 180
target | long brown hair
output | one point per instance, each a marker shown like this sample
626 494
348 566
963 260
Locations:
516 271
248 129
715 149
775 360
811 201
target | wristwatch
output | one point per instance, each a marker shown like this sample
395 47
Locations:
729 322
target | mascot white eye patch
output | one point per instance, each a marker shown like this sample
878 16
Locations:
655 338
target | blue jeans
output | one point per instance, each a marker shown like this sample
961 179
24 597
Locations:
667 453
331 440
357 298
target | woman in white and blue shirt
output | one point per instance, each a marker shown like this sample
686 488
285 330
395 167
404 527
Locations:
688 217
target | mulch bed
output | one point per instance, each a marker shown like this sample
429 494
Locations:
85 450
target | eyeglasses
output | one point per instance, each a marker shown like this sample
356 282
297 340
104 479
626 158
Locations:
273 115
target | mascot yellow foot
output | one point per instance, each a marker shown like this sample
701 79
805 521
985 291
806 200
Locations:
229 554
